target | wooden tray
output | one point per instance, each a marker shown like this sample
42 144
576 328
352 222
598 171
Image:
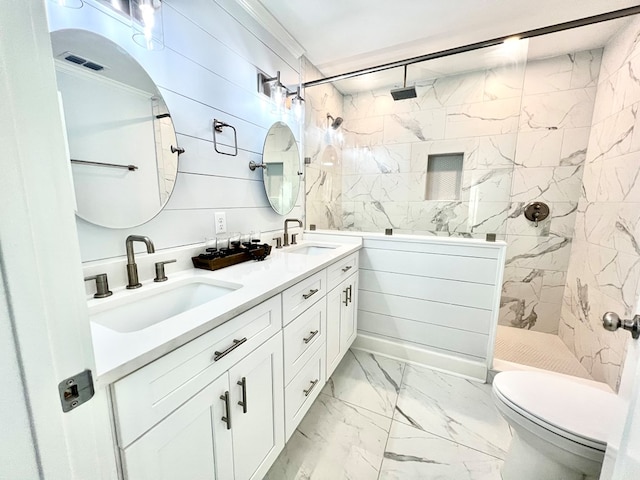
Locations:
244 255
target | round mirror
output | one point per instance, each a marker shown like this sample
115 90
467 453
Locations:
281 158
122 143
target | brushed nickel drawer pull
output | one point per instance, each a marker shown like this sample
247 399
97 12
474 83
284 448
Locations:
313 384
346 269
236 343
227 409
311 292
308 339
243 403
346 296
350 293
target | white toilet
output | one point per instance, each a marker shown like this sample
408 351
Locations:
560 425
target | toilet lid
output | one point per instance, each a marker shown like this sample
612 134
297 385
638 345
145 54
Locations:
582 412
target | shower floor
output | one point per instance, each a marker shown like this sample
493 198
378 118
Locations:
535 349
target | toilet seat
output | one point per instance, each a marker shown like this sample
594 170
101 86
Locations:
574 411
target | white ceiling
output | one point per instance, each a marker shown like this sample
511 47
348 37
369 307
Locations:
344 35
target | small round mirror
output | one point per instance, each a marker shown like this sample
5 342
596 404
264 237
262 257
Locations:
281 158
122 144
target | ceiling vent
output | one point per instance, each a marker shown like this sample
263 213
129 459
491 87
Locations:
78 60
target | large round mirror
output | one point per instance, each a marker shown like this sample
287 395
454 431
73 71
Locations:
281 158
122 144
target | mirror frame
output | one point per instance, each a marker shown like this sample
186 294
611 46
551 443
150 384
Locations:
98 49
267 157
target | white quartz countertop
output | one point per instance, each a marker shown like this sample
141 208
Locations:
119 353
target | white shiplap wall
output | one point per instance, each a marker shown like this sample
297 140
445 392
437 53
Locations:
207 70
430 301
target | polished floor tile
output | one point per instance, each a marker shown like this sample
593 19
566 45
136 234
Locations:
368 381
334 441
443 427
415 454
454 408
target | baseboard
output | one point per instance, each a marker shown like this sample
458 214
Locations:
421 357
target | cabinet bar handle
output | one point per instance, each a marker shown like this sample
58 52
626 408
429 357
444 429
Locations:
346 296
346 269
350 293
308 339
227 409
243 403
236 343
311 292
313 385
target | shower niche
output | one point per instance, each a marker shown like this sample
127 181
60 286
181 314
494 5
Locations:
444 176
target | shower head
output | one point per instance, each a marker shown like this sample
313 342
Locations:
335 122
404 92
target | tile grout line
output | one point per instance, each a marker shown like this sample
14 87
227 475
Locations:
404 369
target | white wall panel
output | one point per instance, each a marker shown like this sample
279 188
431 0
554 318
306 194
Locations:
448 246
457 341
434 289
467 269
424 311
194 191
207 70
200 157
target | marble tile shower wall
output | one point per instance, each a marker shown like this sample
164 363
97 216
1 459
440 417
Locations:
523 131
207 70
604 269
322 146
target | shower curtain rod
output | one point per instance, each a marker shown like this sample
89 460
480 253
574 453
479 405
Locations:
603 17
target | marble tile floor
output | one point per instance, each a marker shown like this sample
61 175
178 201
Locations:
379 418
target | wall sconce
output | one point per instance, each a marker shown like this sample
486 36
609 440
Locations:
146 23
273 87
68 3
297 104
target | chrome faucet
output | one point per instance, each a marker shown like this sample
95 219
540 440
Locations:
285 242
132 268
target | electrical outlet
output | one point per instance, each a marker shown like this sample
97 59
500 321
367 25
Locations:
221 222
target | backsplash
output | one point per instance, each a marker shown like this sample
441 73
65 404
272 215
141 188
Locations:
523 130
605 257
207 69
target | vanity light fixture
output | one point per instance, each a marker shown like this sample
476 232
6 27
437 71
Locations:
297 104
273 87
146 23
68 3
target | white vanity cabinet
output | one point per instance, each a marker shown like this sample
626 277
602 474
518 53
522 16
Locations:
223 405
342 309
172 409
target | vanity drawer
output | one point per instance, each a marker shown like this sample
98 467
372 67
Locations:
340 270
148 395
298 298
303 390
302 337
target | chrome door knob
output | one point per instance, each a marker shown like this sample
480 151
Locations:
611 321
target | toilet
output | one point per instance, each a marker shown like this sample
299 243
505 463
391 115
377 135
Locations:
560 425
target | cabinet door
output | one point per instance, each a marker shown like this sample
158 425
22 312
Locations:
335 302
257 388
184 444
349 316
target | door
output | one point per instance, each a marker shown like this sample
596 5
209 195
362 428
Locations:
257 391
193 442
622 458
335 300
43 317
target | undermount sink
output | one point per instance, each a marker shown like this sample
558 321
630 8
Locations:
312 249
146 308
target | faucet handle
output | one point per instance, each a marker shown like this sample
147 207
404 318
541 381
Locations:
293 239
160 275
102 285
278 242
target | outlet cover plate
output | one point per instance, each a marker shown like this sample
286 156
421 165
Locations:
221 222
